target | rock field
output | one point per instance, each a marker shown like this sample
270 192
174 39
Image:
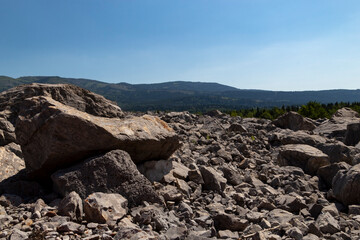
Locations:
74 166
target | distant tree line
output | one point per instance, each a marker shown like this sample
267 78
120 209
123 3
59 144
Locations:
312 110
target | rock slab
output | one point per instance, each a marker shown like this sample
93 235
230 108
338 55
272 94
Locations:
113 172
53 135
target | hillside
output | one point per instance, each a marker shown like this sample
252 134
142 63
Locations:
190 96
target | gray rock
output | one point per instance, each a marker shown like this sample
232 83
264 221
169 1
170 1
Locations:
68 227
304 156
70 95
212 179
10 163
71 206
290 203
327 223
346 185
224 221
279 216
104 207
113 172
352 135
53 135
354 209
18 235
163 170
294 121
295 233
328 172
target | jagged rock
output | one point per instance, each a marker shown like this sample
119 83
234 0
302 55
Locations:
53 135
295 233
71 206
70 95
346 185
7 132
237 128
285 136
336 127
163 170
327 223
328 172
68 227
304 156
352 135
17 234
10 163
290 203
212 179
294 121
339 152
113 172
104 207
279 216
224 221
232 175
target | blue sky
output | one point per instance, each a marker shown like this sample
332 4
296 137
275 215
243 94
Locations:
248 44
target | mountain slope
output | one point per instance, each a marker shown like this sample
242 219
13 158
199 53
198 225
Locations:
191 96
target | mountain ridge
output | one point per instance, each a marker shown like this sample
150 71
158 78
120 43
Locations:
189 96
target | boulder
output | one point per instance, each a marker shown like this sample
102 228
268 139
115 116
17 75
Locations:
339 152
336 127
294 121
352 135
163 170
212 179
304 156
53 135
328 172
10 163
104 207
225 221
327 223
346 185
83 100
285 136
71 206
7 132
113 172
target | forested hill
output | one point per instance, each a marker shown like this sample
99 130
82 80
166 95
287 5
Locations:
190 96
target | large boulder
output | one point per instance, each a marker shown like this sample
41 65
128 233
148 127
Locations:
336 127
53 135
7 132
346 185
286 136
352 135
113 172
328 172
294 121
10 163
83 100
304 156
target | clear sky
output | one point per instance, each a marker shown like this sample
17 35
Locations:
248 44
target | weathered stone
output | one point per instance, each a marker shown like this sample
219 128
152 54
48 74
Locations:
10 163
279 216
235 127
294 121
339 152
224 221
290 203
113 172
163 170
71 206
68 227
104 207
352 135
354 209
70 95
336 127
53 135
327 223
212 179
295 233
328 172
304 156
285 136
346 185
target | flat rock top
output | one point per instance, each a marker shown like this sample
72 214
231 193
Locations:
303 149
